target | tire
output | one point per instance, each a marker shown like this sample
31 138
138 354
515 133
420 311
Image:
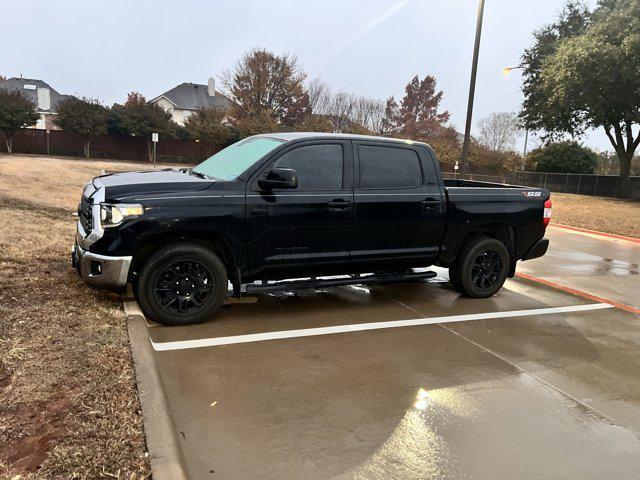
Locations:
481 268
182 284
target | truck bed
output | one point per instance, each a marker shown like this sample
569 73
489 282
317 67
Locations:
457 183
472 204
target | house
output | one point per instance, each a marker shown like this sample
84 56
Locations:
184 99
44 98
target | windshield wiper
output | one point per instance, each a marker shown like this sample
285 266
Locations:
199 174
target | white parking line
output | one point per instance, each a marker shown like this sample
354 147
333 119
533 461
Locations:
359 327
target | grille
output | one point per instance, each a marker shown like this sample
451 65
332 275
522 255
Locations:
84 213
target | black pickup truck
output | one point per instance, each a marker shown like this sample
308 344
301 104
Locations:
273 207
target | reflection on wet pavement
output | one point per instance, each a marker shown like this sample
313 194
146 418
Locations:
414 450
570 262
517 428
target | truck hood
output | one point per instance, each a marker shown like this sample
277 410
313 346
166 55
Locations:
120 185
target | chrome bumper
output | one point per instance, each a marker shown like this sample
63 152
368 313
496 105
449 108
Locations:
100 270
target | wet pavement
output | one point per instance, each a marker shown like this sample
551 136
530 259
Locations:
542 392
605 267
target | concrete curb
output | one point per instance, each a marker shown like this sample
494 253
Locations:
579 293
162 442
597 233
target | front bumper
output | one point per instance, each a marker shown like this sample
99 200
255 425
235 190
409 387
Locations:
100 270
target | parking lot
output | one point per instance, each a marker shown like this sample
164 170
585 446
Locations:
414 381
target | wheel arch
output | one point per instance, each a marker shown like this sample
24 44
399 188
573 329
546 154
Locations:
217 243
500 231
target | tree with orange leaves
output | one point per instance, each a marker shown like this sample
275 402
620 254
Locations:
417 116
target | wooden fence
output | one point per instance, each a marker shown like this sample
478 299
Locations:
122 147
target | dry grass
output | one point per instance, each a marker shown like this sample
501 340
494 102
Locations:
54 181
68 403
609 215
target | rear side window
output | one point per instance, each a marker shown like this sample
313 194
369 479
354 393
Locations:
319 167
389 167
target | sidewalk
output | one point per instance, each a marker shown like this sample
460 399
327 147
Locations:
601 266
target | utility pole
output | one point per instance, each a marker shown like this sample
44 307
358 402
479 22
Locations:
524 151
472 90
507 71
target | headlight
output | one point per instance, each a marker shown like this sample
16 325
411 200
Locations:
112 215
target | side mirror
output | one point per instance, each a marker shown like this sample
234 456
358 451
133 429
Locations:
279 178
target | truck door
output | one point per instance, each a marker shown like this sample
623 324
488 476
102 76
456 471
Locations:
399 207
305 230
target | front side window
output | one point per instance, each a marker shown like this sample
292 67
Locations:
389 167
319 167
230 162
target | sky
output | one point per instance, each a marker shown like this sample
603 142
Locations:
105 49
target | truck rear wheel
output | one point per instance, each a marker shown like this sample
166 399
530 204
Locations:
182 284
481 268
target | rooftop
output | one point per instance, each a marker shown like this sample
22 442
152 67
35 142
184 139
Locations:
29 88
192 96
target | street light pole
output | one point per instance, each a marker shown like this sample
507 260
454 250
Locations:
472 90
507 71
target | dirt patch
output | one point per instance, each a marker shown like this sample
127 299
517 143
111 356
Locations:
5 376
45 425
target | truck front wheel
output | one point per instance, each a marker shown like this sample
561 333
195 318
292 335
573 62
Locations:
182 284
481 267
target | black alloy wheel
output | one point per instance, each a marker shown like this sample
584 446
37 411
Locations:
183 286
486 269
481 267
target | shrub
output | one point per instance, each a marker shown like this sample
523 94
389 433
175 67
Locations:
562 157
207 125
85 117
16 112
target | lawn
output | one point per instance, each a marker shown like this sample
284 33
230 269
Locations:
609 215
68 402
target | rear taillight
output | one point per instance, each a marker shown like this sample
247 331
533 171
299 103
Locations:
546 217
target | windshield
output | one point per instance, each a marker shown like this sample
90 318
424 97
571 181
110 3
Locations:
230 162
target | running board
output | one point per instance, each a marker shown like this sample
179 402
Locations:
337 282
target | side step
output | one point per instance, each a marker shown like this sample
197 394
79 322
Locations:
337 282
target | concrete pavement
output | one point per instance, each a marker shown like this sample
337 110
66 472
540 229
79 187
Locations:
537 393
605 267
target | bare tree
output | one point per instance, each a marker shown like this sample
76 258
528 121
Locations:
320 96
498 132
370 113
341 109
347 112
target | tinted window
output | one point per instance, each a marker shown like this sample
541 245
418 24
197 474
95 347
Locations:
319 167
389 167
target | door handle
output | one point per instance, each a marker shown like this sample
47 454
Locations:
431 203
339 204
